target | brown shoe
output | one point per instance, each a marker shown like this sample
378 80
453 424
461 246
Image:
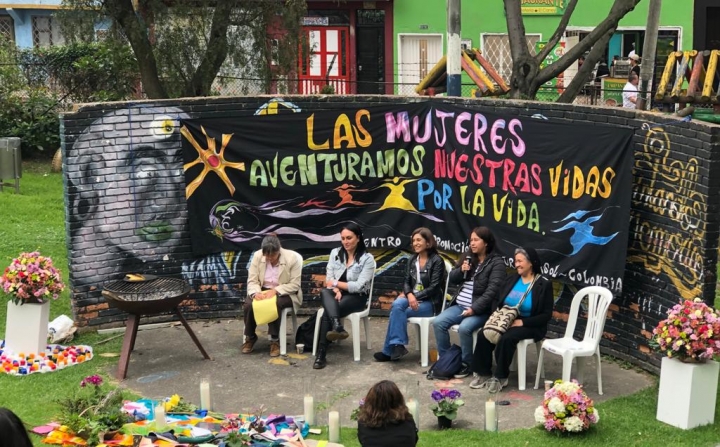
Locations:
247 347
274 349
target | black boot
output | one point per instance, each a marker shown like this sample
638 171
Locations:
337 332
320 361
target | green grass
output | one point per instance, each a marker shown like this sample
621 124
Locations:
34 220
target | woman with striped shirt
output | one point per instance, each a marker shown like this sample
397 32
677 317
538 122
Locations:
480 273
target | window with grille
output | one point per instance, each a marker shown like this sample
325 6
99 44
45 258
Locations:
496 49
7 28
46 32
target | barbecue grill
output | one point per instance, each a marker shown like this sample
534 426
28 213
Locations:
147 297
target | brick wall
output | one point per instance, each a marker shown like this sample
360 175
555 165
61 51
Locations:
125 196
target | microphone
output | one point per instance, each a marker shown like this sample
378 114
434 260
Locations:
468 259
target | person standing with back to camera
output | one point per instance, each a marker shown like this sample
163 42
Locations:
350 272
480 273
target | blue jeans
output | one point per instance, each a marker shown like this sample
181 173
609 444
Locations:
397 333
452 316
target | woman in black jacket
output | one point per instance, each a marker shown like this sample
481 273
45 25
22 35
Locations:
420 298
480 273
384 419
536 294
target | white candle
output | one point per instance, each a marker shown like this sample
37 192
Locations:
334 429
490 416
205 396
309 409
159 415
414 410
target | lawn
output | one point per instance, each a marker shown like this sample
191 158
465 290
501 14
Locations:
34 220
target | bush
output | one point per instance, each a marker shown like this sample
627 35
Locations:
84 72
34 118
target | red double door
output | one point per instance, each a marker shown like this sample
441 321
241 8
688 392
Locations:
327 63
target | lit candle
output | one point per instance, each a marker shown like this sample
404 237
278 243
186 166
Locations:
159 415
205 395
334 429
490 416
414 410
309 407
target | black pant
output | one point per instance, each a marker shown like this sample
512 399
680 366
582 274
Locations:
283 302
349 303
504 351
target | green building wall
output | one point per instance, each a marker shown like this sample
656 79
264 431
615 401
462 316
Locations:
488 16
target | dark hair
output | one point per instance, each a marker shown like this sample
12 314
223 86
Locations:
12 430
270 244
428 236
532 256
384 404
361 249
486 235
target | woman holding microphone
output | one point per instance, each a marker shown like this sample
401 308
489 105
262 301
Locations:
480 273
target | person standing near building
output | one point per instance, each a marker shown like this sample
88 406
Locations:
635 64
630 91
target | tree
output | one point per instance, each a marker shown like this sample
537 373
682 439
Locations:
527 77
181 45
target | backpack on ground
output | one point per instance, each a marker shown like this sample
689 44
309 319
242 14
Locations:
449 364
306 332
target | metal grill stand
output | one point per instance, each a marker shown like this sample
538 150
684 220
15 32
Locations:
146 298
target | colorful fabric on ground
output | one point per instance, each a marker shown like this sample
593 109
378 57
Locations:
55 357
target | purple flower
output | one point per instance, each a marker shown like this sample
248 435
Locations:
91 380
437 396
453 394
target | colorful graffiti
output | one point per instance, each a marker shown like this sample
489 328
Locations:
668 187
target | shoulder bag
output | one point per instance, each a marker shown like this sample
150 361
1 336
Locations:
501 320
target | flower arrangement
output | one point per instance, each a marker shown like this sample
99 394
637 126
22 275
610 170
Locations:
92 411
31 277
446 403
177 404
566 408
690 332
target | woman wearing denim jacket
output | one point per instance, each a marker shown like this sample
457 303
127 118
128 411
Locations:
421 297
350 271
480 274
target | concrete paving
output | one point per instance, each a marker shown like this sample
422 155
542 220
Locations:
166 362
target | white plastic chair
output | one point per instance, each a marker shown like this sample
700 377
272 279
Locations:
283 317
599 299
354 320
519 363
423 323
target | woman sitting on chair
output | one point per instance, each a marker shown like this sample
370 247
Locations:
350 271
421 297
384 419
536 294
480 273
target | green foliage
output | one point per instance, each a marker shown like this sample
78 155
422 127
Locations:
93 411
32 115
84 72
186 45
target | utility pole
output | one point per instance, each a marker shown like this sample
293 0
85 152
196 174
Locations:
453 48
648 55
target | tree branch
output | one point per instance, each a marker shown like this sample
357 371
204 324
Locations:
216 52
516 30
619 9
582 76
136 32
559 31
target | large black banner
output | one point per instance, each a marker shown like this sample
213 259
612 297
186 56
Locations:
561 188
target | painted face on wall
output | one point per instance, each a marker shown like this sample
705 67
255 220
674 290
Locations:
125 185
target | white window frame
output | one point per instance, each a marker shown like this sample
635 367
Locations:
482 44
399 47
